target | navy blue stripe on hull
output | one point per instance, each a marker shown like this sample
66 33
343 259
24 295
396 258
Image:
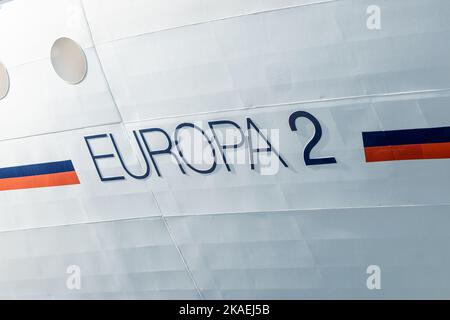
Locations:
404 137
36 169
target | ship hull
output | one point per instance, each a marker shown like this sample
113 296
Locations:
225 151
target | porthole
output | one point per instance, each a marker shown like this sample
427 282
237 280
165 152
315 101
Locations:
68 60
4 81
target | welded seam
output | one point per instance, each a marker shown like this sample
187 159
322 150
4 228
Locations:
246 108
298 102
188 270
219 19
274 211
99 62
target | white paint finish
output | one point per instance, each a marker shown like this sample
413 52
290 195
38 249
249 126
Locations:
318 253
127 258
114 19
294 255
89 201
298 54
40 102
28 28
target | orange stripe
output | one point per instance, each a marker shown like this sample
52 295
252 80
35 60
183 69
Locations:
408 152
40 181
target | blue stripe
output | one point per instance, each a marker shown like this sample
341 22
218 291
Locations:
402 137
36 169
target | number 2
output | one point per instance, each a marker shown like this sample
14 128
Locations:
314 141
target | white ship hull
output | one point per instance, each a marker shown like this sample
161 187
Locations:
194 230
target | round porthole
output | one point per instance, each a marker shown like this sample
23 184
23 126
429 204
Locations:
68 60
4 81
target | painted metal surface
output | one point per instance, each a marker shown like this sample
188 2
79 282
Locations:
149 221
